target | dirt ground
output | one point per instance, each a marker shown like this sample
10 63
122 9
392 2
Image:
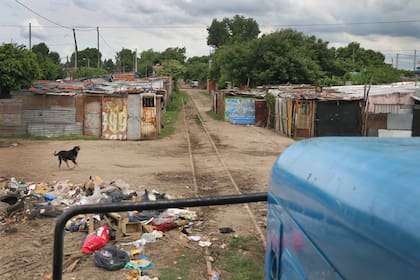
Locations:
161 164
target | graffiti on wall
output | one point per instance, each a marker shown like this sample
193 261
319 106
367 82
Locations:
240 110
114 118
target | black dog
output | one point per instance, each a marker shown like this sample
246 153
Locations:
68 155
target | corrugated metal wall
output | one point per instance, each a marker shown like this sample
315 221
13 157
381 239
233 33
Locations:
396 103
114 118
148 124
92 121
284 115
134 120
11 119
148 116
50 115
304 118
338 118
261 112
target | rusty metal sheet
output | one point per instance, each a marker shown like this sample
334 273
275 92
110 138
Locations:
92 116
32 102
134 120
114 118
261 113
377 121
303 118
148 123
79 105
148 116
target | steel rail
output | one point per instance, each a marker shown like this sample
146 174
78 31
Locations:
232 180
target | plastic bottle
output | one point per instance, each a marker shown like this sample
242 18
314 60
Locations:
215 275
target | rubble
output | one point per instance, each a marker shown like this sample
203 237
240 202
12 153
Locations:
22 201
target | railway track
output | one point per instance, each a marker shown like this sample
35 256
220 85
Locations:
211 175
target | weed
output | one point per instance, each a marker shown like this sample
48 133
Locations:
182 268
214 116
243 259
173 106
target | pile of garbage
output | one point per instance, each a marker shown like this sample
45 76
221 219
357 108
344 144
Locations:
115 240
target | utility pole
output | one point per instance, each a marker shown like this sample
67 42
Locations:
135 62
75 48
97 38
30 37
396 62
415 58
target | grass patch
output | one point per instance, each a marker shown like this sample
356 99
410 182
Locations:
173 107
206 93
183 267
243 259
169 120
214 116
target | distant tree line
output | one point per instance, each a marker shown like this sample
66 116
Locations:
289 56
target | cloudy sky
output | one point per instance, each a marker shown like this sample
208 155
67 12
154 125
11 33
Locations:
388 26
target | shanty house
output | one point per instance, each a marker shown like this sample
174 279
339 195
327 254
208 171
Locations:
241 107
112 110
304 111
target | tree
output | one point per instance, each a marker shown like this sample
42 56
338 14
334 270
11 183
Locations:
109 65
243 29
172 68
87 58
124 60
41 49
173 54
49 70
280 57
88 72
55 57
197 69
237 29
218 33
146 61
18 68
49 62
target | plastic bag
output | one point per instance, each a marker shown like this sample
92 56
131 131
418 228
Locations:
110 258
142 263
96 240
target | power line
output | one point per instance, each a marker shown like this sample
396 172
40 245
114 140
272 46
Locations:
51 21
106 43
47 19
349 23
93 28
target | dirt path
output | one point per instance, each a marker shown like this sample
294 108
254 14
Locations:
162 164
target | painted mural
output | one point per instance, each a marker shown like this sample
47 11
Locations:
240 110
114 118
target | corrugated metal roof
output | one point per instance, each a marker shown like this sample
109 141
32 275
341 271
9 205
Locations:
95 86
358 90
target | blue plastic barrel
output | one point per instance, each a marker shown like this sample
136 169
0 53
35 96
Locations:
345 208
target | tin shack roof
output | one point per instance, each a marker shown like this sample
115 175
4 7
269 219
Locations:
258 93
358 90
310 92
60 86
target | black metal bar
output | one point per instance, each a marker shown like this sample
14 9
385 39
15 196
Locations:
139 206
